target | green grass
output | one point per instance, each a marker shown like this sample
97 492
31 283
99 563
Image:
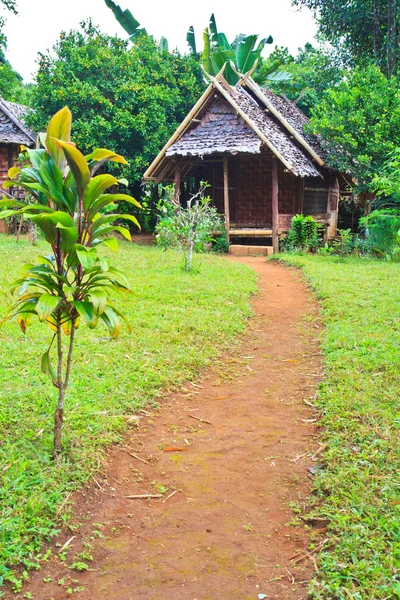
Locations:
358 490
180 323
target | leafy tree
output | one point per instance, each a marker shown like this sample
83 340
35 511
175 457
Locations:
363 29
73 283
311 73
11 86
131 100
360 120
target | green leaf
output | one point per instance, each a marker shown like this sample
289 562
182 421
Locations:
106 199
35 156
212 25
86 256
126 20
99 300
191 40
78 165
46 305
59 129
124 232
112 321
104 263
206 54
102 154
96 186
46 367
110 219
88 313
111 243
53 178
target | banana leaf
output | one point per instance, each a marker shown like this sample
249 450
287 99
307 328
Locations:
191 40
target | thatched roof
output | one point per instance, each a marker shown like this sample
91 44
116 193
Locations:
241 119
220 130
12 128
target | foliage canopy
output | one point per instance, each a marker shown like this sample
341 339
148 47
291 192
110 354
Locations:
128 99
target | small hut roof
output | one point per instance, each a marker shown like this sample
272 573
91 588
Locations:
244 118
219 130
12 128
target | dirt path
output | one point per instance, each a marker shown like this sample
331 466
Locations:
225 534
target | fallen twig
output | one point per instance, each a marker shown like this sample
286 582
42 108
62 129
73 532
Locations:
296 558
67 543
198 419
143 496
321 449
170 496
98 485
137 457
309 403
298 457
63 503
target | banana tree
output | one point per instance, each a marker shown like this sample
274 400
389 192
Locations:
240 56
74 283
131 25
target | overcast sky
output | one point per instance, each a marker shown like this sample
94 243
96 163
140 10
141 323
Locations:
39 22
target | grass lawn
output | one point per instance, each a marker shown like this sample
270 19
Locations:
180 322
358 490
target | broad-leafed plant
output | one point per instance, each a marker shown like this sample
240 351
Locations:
73 284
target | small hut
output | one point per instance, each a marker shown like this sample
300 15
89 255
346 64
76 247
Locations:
262 165
13 134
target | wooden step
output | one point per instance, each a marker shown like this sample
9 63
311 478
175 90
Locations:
242 250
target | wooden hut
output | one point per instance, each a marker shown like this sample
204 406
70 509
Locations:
263 167
13 134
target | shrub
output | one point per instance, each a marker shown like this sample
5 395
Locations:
187 229
303 234
382 232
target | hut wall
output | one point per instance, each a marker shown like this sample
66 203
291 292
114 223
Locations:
4 164
250 189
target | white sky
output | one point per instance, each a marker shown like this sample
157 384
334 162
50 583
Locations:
39 22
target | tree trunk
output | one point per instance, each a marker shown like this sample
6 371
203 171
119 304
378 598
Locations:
62 386
391 34
58 422
377 33
189 255
21 222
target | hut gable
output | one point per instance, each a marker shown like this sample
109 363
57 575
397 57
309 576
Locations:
220 130
12 128
297 160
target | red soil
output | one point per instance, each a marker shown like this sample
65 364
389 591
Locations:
226 532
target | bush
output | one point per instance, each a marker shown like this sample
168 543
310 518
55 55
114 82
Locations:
187 229
302 236
382 232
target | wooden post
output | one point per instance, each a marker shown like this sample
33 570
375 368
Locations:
333 207
275 207
226 199
177 181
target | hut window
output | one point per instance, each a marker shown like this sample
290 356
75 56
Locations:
315 201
